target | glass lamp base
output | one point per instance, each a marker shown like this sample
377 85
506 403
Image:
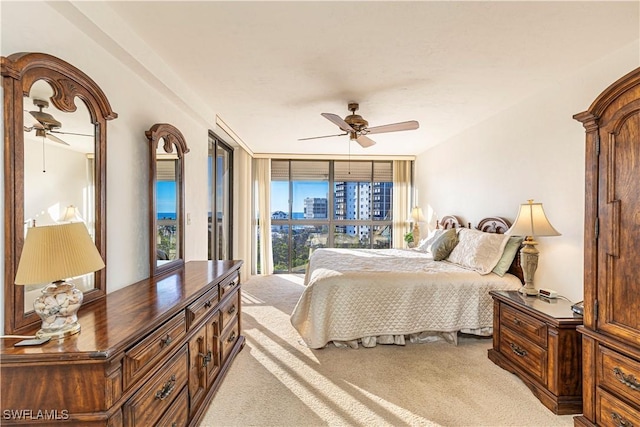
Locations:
58 307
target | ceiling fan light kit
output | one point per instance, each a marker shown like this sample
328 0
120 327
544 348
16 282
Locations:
358 128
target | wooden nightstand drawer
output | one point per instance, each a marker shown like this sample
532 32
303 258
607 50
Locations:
525 325
619 374
140 358
524 353
613 412
157 394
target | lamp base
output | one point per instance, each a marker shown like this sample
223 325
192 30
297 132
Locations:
529 263
58 307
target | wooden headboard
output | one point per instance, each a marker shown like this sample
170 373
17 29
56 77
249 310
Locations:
449 221
500 225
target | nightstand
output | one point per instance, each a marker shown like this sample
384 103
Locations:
535 338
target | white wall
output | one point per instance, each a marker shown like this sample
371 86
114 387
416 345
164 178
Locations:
534 150
40 27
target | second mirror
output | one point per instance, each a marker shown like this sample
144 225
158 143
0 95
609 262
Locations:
166 191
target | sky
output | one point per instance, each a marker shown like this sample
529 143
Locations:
166 196
301 190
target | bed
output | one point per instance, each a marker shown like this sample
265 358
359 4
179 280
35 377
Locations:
367 297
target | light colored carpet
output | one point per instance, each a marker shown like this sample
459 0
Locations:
277 381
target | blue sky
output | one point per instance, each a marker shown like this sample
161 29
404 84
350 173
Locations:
166 196
301 190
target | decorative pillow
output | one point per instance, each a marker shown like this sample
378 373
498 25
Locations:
510 251
425 244
477 250
444 244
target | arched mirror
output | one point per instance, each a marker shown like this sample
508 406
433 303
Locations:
55 143
166 197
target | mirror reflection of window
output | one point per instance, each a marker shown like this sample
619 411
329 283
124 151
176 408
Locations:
167 204
59 170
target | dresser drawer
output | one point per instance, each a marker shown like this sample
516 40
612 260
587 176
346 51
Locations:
531 357
229 338
178 414
229 309
201 307
143 355
611 411
157 394
229 284
534 329
619 374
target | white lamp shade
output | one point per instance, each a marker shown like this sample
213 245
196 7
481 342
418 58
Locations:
71 214
57 252
416 215
532 221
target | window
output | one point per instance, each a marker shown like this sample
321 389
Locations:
305 215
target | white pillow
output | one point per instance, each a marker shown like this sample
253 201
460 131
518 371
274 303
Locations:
477 250
425 244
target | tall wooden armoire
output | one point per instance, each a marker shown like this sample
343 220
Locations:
611 331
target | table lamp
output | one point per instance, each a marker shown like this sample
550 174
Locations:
530 222
415 217
52 254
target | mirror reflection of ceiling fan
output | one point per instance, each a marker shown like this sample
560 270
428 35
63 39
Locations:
358 128
45 124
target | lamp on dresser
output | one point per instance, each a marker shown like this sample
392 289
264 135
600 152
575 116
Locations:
52 254
530 222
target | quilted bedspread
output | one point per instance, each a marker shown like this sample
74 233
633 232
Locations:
352 294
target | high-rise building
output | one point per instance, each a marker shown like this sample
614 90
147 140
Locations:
316 208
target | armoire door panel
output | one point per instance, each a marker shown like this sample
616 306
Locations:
619 219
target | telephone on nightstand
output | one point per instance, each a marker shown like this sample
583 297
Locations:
578 308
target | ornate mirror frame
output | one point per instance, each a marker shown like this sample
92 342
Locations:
19 72
172 138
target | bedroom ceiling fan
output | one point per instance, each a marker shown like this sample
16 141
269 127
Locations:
358 128
45 124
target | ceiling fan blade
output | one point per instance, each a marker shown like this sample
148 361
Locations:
71 133
325 136
394 127
55 139
31 122
365 142
338 121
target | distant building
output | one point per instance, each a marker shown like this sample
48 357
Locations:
316 208
279 215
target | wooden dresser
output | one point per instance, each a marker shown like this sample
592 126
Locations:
536 339
153 353
611 332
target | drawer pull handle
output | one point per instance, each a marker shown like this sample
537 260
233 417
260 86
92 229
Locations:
207 304
174 424
517 350
628 380
165 341
206 358
620 421
517 322
232 338
167 389
231 310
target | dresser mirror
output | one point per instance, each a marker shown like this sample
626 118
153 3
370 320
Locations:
55 134
166 198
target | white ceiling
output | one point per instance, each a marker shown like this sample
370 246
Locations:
268 69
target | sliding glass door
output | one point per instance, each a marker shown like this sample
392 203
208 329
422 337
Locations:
220 199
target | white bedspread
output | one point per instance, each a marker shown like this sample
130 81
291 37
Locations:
357 294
